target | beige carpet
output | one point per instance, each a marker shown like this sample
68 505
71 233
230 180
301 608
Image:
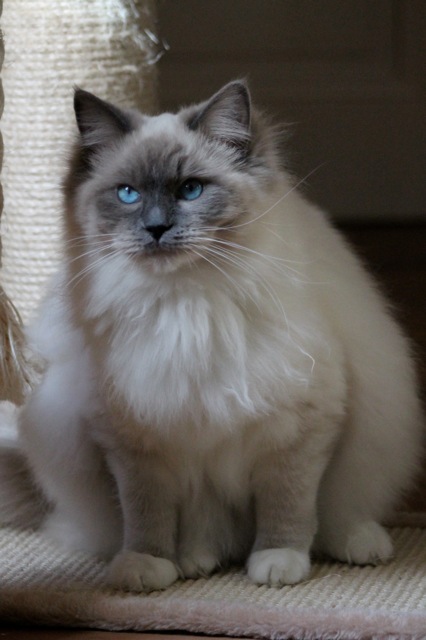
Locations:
43 585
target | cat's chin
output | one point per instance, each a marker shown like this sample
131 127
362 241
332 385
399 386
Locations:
162 262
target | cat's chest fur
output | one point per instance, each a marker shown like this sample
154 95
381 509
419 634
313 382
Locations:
193 355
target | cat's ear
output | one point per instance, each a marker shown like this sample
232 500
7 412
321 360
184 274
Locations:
226 116
99 122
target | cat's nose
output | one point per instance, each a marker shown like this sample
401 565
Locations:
156 221
158 230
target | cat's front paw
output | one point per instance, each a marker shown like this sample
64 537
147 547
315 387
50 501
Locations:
362 543
132 571
368 543
198 565
277 567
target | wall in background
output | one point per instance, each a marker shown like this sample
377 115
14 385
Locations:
348 75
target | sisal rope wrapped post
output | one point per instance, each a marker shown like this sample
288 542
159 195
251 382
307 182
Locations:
14 369
104 46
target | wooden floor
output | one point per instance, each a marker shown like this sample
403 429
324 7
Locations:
397 255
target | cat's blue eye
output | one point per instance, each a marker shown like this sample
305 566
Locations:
127 194
190 189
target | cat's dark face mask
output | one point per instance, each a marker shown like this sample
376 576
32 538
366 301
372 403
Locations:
163 187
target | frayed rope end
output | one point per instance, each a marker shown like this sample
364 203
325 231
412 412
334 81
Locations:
16 371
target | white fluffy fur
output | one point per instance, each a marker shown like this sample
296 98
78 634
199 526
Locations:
285 357
211 380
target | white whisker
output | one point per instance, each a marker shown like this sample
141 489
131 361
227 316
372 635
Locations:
279 265
90 252
224 273
89 239
239 262
277 202
253 274
230 259
83 273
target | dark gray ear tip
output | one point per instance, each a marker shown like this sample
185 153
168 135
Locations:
96 115
242 85
240 88
81 97
78 94
81 100
225 116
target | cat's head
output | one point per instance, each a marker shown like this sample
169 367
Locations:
161 189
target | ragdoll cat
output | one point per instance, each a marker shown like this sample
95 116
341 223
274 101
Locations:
224 382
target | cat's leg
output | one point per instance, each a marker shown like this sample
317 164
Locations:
205 530
148 496
68 465
373 463
285 486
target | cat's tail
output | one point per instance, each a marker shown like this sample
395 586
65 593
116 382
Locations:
22 504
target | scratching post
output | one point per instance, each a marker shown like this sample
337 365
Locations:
14 371
104 46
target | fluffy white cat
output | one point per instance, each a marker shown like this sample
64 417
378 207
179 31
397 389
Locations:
224 381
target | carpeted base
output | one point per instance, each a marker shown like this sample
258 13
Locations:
43 585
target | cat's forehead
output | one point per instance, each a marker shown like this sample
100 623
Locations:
162 140
165 124
164 148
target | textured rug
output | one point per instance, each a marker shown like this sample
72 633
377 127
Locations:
41 584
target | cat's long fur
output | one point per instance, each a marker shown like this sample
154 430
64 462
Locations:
235 390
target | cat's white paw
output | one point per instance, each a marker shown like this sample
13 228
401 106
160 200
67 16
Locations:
368 543
198 565
363 543
134 571
277 567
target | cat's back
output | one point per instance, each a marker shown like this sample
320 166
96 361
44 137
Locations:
346 296
325 261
